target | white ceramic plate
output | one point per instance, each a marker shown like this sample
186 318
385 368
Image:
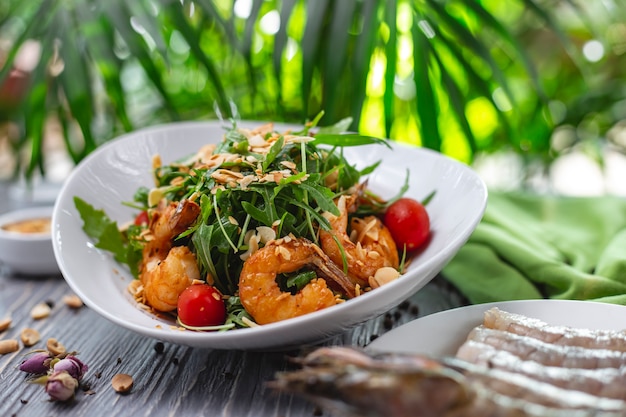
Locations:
441 334
113 173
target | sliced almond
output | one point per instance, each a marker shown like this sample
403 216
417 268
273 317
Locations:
383 276
29 336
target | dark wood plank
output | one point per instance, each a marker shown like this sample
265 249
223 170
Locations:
178 381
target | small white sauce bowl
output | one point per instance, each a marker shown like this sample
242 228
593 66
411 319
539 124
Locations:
27 253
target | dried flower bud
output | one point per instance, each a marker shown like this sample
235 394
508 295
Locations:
38 363
61 386
72 365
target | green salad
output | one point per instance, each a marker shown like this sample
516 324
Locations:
252 187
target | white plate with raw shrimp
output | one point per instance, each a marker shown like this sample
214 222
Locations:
441 334
112 174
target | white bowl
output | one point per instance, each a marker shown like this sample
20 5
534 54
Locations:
27 253
114 171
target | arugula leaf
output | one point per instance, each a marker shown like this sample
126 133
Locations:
268 206
318 217
273 152
106 234
202 243
257 214
322 196
236 312
295 281
348 139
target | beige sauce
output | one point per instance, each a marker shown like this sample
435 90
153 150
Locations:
39 225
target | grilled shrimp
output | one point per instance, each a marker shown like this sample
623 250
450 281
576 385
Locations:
396 385
262 297
166 270
369 249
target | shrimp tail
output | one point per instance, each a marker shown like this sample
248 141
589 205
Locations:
335 277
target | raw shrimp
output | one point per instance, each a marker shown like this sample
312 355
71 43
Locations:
402 385
546 353
370 247
602 382
166 270
262 297
495 318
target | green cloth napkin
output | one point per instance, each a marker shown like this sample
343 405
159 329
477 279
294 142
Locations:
530 246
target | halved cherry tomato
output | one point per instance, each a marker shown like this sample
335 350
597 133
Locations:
408 222
201 305
142 218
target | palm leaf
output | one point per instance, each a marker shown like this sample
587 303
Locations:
457 99
425 96
35 112
138 48
544 15
76 83
99 36
335 54
473 43
193 40
391 48
315 11
483 87
246 46
491 22
142 13
34 23
216 18
280 43
361 58
340 39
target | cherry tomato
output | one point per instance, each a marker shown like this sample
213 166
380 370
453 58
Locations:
408 222
142 218
201 305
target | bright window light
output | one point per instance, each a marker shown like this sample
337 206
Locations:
243 8
593 51
270 23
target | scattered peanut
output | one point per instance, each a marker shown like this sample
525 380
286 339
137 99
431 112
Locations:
29 336
55 347
73 301
122 383
5 324
8 346
40 311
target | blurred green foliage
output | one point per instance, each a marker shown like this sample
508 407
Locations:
463 77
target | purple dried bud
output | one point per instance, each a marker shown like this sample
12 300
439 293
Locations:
61 386
38 363
72 365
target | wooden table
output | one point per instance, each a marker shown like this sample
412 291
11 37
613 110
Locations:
169 380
